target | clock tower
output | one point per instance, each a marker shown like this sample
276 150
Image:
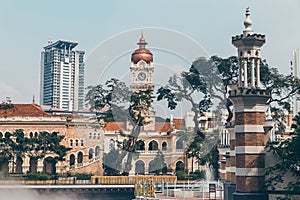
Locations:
141 77
141 67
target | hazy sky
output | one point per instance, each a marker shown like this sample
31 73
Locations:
177 31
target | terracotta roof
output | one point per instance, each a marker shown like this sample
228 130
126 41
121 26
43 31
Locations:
162 126
22 110
115 126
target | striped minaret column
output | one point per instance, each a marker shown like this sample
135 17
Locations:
230 157
222 164
250 117
249 108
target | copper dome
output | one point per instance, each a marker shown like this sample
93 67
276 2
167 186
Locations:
142 53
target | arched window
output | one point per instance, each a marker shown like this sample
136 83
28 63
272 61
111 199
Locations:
31 135
179 144
179 166
79 157
98 136
7 134
152 167
36 134
97 151
76 143
90 137
91 153
165 169
94 136
1 135
49 165
140 167
82 143
71 143
140 145
72 160
153 146
164 146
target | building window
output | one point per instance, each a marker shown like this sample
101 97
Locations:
91 153
90 136
94 136
82 143
71 143
97 151
164 146
76 143
98 136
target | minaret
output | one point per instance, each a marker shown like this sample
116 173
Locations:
248 46
249 107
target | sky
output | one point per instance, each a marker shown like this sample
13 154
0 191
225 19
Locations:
177 32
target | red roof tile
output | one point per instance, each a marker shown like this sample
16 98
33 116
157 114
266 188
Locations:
115 126
162 126
22 110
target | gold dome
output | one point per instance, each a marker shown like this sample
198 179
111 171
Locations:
142 53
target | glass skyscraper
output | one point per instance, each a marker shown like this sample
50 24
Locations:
62 76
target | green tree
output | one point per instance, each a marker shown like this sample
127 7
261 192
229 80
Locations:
120 104
18 147
159 162
212 78
110 99
112 162
287 155
6 153
45 142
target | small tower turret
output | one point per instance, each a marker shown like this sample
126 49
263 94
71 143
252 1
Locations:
248 45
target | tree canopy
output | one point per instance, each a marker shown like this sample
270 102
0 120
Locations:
211 79
118 103
16 146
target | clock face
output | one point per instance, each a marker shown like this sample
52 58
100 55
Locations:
141 76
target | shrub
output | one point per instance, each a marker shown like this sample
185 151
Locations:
38 176
181 175
83 176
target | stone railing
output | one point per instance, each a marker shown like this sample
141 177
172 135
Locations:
129 180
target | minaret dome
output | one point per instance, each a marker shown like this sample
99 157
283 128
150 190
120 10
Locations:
142 53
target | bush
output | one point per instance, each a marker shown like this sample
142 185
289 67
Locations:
181 175
38 176
44 177
83 176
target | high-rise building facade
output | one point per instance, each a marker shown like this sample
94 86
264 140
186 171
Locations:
62 76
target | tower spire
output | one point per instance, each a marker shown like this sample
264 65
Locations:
142 43
247 23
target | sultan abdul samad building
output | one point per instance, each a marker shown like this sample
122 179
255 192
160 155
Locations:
155 136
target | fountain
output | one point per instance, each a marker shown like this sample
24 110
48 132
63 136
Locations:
201 189
209 172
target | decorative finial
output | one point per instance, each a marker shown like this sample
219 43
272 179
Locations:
33 99
142 43
247 23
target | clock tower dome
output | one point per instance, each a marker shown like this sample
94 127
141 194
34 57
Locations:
141 67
